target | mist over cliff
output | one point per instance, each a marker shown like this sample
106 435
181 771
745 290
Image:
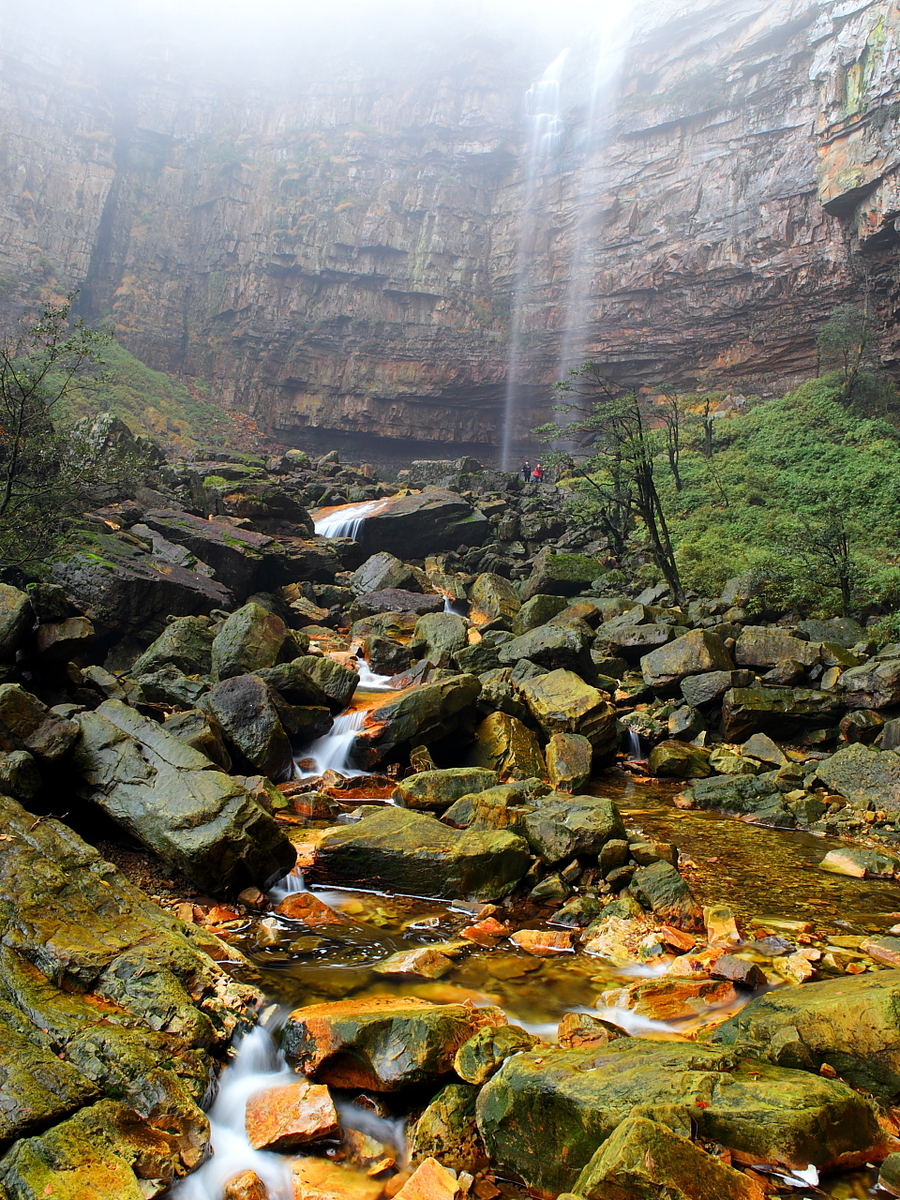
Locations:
338 218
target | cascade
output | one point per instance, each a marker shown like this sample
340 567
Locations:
546 129
345 521
332 751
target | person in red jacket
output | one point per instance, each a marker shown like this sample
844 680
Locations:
538 473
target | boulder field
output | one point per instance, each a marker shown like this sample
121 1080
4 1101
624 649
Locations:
195 681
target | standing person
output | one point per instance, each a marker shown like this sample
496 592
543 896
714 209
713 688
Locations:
526 470
538 473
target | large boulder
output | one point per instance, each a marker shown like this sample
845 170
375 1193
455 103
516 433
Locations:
16 619
865 776
569 760
415 854
555 574
851 1024
876 684
418 715
27 724
492 598
433 791
381 571
661 889
244 561
563 826
249 713
252 637
391 600
759 646
505 745
538 611
573 1100
438 636
185 643
550 646
759 709
337 681
381 1044
422 523
173 800
754 796
561 702
695 653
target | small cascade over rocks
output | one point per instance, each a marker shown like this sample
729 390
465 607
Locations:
332 751
346 521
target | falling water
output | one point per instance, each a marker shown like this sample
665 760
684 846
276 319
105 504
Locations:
634 745
345 521
459 608
542 105
257 1067
332 752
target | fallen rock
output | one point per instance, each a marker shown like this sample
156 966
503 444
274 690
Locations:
757 796
569 760
416 716
412 853
249 715
431 1181
437 638
555 574
669 999
659 888
550 646
561 702
203 733
696 653
503 744
337 682
433 791
447 1130
320 1179
290 1115
860 863
381 1043
863 775
172 799
564 826
16 620
27 724
492 598
422 523
484 1053
246 560
678 760
876 684
63 641
759 646
537 611
425 962
185 643
381 571
543 943
750 710
252 637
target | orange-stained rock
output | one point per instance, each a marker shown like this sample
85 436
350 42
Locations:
288 1116
677 938
246 1186
696 964
721 927
305 907
578 1031
320 1179
670 999
431 1181
543 943
424 962
486 932
384 1043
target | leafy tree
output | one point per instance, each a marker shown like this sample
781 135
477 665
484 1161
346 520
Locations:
615 431
843 341
48 469
823 546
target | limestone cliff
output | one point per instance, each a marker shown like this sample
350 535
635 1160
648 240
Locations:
342 248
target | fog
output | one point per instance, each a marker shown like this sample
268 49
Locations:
269 37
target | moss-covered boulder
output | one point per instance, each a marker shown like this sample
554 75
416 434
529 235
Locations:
416 716
415 854
433 791
537 611
659 888
557 574
569 759
672 759
695 653
505 745
185 643
437 638
27 724
202 732
173 800
245 561
447 1130
748 795
381 1043
851 1023
381 571
251 638
16 620
759 646
563 826
337 681
760 709
550 646
874 685
493 598
865 776
644 1160
561 702
485 1052
572 1100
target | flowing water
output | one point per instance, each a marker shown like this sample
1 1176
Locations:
333 751
345 521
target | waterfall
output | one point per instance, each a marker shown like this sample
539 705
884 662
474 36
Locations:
333 751
345 521
634 744
542 107
459 608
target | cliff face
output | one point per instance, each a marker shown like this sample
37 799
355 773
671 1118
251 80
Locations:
347 251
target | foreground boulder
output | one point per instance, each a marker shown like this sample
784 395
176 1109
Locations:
381 1043
173 800
433 791
849 1023
866 777
573 1100
252 637
417 715
696 653
561 702
392 849
249 714
563 826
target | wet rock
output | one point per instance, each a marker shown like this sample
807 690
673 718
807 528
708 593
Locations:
863 775
491 598
437 637
381 571
739 972
757 796
550 646
678 760
759 646
644 1160
502 807
447 1130
433 791
889 1175
415 854
883 949
27 724
203 733
185 643
477 1059
423 523
246 561
290 1115
293 681
245 1186
308 908
382 1043
19 776
862 725
849 1023
425 962
537 611
750 710
418 716
696 653
337 682
319 1179
251 638
386 657
431 1181
171 799
581 1031
659 888
555 574
247 711
561 702
564 826
504 745
569 760
573 1100
64 640
875 685
543 943
16 619
669 999
861 863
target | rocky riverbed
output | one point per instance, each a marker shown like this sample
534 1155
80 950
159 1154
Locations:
539 883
